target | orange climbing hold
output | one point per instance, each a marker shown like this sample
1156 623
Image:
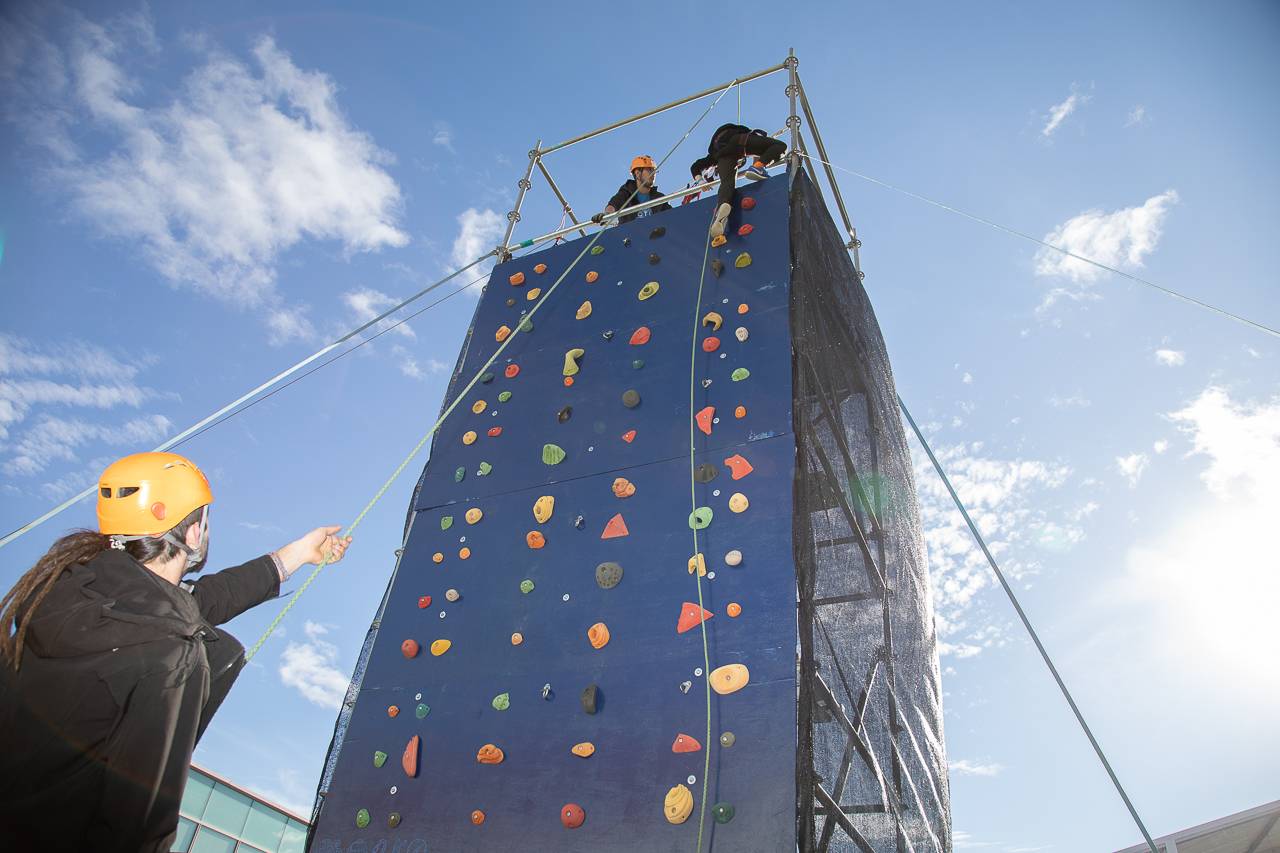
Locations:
623 488
512 371
393 711
691 616
568 380
490 754
740 412
502 334
738 466
437 557
409 648
734 609
598 635
516 279
729 678
640 336
477 816
540 268
710 344
464 553
535 539
629 436
685 743
586 749
704 419
494 432
742 308
615 527
409 761
592 276
718 241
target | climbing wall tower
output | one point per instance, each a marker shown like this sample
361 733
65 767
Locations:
592 639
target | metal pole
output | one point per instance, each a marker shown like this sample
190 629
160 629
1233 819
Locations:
555 189
793 120
513 216
854 243
662 109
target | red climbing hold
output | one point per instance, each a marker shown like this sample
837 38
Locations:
685 743
691 615
512 371
424 601
640 336
572 816
748 203
410 759
739 466
710 344
494 432
615 527
410 648
704 419
629 436
745 230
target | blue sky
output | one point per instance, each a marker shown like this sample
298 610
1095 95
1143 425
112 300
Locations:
192 199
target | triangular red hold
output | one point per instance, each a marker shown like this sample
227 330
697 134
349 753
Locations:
685 743
410 759
690 618
629 436
616 527
739 466
704 419
640 336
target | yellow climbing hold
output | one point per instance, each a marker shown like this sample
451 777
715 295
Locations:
543 507
678 804
583 750
584 311
700 563
474 514
469 437
738 502
502 334
439 647
571 360
729 678
534 293
718 241
713 320
743 260
648 290
479 406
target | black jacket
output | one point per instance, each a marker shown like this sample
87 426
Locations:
718 140
98 725
626 191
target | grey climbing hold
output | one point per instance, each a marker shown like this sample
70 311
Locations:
741 333
393 820
564 414
637 364
723 812
706 472
379 758
504 396
446 522
526 325
631 398
511 303
739 374
728 739
552 454
733 558
657 232
706 383
459 475
653 258
590 698
486 378
608 575
452 595
526 586
685 685
484 469
701 517
362 818
717 267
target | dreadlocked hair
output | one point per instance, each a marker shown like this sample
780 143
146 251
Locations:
76 548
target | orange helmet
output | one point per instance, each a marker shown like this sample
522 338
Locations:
644 161
147 494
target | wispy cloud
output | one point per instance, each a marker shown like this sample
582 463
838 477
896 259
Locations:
310 668
1059 112
1131 467
1074 401
443 136
1137 116
410 366
964 767
1170 357
478 232
367 303
51 439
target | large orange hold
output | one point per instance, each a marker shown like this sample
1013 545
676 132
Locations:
740 412
502 334
729 678
598 635
615 527
516 279
640 336
704 417
739 466
586 749
623 488
535 539
685 743
490 754
409 761
540 268
691 616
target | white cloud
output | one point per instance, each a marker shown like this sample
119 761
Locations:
1058 113
289 324
1075 401
1137 116
967 379
1160 446
1242 442
310 669
53 439
478 231
1122 238
410 367
367 303
443 136
964 767
1170 357
1131 467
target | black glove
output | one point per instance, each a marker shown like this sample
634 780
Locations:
598 218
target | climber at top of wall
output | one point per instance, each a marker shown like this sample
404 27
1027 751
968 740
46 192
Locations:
634 192
729 144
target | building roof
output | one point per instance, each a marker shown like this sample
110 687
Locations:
1256 830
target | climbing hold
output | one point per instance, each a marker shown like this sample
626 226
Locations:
705 473
439 647
571 360
501 702
409 761
409 648
459 475
492 432
584 311
743 308
464 553
653 258
552 454
504 396
685 743
704 417
595 250
362 818
729 678
502 334
723 812
379 758
713 320
424 601
543 507
585 749
637 363
648 290
511 301
421 711
469 437
451 595
745 230
526 586
739 374
710 344
615 527
437 557
477 817
511 371
685 685
564 414
446 522
516 279
657 232
706 383
598 635
590 698
393 711
691 616
393 820
517 638
733 558
534 293
474 515
526 325
741 333
629 436
700 518
568 381
623 488
626 241
743 260
486 378
572 815
734 609
699 562
608 575
539 268
631 398
678 804
738 502
535 539
747 203
717 267
728 739
740 412
490 754
640 336
592 277
718 241
739 466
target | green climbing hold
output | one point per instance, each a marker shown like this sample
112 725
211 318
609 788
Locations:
502 702
631 398
728 739
700 518
486 378
393 820
362 818
648 290
526 586
504 396
595 250
526 325
484 469
608 575
552 454
743 260
637 364
446 522
422 710
723 812
459 475
740 374
379 758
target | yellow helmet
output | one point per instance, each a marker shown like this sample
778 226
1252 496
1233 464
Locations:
146 494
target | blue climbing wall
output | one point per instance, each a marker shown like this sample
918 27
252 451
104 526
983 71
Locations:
652 681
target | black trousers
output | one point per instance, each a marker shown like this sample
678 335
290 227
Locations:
757 143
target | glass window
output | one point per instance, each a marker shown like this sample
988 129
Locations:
196 794
208 841
227 809
246 848
264 827
295 836
182 840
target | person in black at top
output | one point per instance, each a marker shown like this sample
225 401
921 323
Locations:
636 191
729 144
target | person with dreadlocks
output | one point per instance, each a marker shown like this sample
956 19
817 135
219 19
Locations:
112 665
730 144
